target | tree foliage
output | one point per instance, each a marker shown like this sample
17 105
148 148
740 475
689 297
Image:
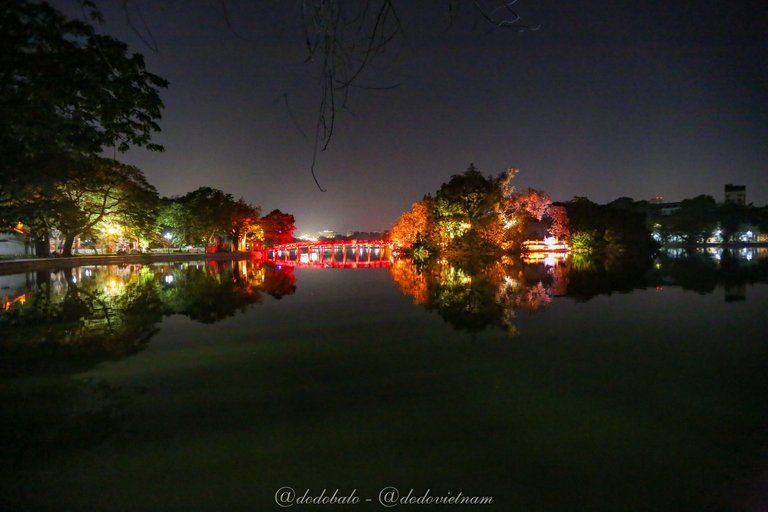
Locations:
278 227
206 215
597 227
66 94
472 212
104 192
411 225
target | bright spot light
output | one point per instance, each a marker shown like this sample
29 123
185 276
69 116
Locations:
168 279
112 286
168 236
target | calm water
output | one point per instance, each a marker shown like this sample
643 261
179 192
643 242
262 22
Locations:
551 385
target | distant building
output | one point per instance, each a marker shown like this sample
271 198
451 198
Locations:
364 235
665 209
736 194
327 234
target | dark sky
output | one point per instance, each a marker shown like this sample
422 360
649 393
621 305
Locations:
606 99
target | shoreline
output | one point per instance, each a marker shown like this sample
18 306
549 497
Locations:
33 264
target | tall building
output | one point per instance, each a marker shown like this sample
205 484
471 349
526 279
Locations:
736 194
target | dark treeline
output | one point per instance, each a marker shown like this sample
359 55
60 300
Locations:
699 220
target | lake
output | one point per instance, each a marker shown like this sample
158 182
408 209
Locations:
547 385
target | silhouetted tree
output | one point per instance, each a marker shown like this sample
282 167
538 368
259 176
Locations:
66 95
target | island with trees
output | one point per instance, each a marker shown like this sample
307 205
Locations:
473 214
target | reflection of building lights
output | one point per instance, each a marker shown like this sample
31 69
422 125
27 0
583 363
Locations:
168 279
549 259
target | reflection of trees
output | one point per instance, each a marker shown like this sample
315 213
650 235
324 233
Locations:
472 296
703 273
279 282
211 293
589 275
410 280
72 324
72 319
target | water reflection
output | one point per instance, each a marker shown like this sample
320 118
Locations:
73 318
596 409
706 270
473 296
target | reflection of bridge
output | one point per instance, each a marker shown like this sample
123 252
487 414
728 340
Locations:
334 253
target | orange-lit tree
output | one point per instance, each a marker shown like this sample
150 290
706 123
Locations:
474 214
411 225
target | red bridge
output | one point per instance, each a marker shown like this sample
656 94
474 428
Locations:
334 253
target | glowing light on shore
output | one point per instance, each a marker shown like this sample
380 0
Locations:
8 302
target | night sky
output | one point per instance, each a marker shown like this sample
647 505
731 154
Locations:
605 99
